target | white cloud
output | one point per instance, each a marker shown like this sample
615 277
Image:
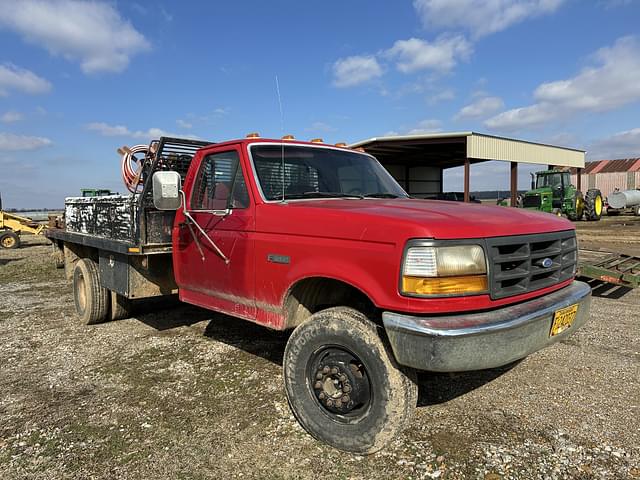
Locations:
441 96
11 117
619 145
22 80
92 32
356 70
613 82
426 126
12 143
481 17
441 55
564 139
166 15
320 127
184 124
107 130
482 107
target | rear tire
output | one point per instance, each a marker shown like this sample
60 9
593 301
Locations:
120 306
578 207
91 299
9 240
593 205
343 384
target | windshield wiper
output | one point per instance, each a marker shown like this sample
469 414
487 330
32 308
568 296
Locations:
323 195
381 195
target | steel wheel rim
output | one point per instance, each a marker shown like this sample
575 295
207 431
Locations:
8 241
339 384
598 205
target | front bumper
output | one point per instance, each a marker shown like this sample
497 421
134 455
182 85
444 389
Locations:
475 341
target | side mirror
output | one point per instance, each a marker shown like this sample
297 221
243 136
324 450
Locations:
533 181
166 190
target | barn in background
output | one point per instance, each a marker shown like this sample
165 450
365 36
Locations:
607 175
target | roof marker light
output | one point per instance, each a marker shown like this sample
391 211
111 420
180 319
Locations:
288 137
253 135
341 144
317 140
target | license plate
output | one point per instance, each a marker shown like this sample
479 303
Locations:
562 319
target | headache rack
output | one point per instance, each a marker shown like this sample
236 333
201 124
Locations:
154 227
131 223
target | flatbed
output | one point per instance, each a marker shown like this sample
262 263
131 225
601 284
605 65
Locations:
615 268
127 237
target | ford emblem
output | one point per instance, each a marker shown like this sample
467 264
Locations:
546 262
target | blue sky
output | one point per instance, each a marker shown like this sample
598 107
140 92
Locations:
80 79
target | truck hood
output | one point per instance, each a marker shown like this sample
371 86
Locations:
387 219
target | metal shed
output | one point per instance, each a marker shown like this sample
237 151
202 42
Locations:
417 162
607 175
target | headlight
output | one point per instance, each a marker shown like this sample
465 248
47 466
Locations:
444 270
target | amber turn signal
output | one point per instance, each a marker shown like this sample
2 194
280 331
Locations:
444 285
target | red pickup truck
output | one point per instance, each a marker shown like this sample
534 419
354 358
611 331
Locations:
322 241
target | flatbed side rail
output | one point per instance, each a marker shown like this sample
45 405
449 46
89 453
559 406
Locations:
101 243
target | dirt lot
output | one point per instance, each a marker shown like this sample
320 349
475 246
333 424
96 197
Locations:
179 392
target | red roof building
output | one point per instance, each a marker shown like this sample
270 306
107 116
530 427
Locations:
608 175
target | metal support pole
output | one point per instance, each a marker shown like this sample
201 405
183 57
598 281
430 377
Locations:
579 179
514 184
466 180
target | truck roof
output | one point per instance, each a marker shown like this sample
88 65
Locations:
293 141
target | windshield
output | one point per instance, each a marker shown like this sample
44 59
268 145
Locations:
311 172
552 180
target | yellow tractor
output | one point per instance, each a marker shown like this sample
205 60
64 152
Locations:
11 226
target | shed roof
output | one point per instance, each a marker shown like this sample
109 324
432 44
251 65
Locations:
450 149
608 166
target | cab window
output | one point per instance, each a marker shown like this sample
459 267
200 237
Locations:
220 183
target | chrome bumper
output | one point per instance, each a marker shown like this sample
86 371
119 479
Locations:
475 341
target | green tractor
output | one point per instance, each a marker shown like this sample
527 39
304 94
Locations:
552 192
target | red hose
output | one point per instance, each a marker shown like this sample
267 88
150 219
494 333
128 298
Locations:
132 167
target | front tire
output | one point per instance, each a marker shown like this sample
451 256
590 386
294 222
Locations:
91 299
9 240
343 385
577 207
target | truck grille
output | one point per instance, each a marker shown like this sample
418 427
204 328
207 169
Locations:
531 201
516 263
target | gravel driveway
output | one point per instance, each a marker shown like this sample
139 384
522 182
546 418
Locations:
180 392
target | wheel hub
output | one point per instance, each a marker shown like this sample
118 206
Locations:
8 241
340 383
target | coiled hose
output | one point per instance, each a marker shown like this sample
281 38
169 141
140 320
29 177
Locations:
132 167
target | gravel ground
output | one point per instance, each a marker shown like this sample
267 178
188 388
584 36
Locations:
179 392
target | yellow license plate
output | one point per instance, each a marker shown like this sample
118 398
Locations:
562 319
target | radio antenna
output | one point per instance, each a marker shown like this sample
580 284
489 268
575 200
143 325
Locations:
282 130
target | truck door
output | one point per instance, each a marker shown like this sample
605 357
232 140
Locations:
219 278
